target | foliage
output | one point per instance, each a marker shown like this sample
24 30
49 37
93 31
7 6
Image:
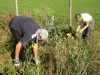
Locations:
59 55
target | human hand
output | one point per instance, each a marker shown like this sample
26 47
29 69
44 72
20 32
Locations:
81 31
77 30
77 34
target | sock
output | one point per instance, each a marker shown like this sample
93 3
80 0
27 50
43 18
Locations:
36 58
17 60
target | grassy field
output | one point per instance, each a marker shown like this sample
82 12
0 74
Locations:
60 8
60 55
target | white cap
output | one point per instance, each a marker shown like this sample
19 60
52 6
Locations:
43 33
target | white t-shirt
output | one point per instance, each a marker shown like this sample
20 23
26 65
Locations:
86 17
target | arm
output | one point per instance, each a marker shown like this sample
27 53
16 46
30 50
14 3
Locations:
87 25
78 28
17 51
35 49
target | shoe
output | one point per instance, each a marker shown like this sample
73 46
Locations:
16 62
36 61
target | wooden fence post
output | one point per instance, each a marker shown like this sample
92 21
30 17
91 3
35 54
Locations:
16 3
70 13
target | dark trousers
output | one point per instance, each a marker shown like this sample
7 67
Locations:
84 34
18 37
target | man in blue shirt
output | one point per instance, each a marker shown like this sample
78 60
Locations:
25 30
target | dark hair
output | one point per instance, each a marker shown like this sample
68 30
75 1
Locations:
77 16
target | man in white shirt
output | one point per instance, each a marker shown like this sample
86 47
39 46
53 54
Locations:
85 24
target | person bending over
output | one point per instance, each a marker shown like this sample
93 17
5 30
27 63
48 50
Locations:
85 24
25 31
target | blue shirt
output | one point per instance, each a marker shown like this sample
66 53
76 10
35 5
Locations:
26 26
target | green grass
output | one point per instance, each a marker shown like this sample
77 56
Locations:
60 55
60 8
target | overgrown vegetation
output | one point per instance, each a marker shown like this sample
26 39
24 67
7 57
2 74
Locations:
60 54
